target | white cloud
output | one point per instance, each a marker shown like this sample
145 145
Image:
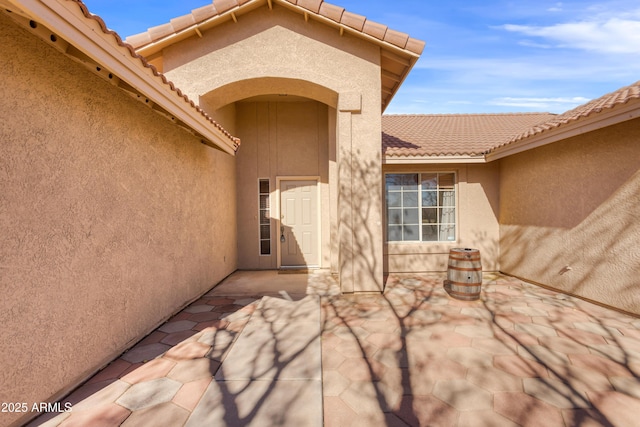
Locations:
547 104
614 35
556 8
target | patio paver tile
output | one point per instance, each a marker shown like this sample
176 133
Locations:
109 415
186 371
556 392
178 337
164 414
627 385
463 395
494 379
191 392
149 393
188 350
526 410
177 326
484 418
426 411
156 368
142 353
618 408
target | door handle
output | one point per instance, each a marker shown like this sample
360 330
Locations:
282 239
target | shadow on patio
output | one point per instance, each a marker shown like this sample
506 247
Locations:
229 358
521 355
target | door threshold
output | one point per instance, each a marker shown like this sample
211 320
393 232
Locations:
296 270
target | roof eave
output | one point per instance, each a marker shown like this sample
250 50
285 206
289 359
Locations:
67 20
618 114
431 159
149 50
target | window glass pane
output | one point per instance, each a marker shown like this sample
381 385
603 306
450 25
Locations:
447 232
265 247
394 182
429 181
446 180
410 181
265 231
429 198
447 215
410 232
394 233
394 216
429 233
411 216
264 201
447 198
394 200
264 217
410 199
264 186
429 215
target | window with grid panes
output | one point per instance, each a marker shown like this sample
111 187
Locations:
264 215
421 207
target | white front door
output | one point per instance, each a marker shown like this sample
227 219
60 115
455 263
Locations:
299 231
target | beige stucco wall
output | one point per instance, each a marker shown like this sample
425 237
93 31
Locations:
570 215
279 139
278 52
477 221
111 218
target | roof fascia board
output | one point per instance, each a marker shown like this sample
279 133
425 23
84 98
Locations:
197 29
596 121
415 160
69 24
349 30
157 46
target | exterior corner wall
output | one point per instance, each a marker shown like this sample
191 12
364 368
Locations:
477 221
112 218
569 215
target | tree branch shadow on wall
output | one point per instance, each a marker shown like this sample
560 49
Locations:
580 255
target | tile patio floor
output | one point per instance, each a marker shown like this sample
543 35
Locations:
521 355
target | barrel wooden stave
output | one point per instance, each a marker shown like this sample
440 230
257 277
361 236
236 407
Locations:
464 274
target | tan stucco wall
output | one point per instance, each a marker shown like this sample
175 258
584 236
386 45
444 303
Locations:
275 52
279 139
576 204
111 218
477 221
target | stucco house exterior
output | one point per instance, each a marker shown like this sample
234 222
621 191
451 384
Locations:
249 134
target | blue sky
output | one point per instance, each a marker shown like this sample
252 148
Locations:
485 56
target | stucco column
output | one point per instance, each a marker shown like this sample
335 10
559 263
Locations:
358 204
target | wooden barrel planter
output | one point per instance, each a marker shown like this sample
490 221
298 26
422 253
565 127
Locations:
464 274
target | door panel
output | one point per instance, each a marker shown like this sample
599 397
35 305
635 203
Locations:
299 223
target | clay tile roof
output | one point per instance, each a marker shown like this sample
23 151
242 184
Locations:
156 74
318 7
596 106
452 134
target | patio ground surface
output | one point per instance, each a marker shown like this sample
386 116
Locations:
266 349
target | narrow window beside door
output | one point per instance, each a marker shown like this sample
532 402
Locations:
264 215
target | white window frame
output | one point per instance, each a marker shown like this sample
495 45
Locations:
456 222
268 211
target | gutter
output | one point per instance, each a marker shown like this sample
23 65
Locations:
411 160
